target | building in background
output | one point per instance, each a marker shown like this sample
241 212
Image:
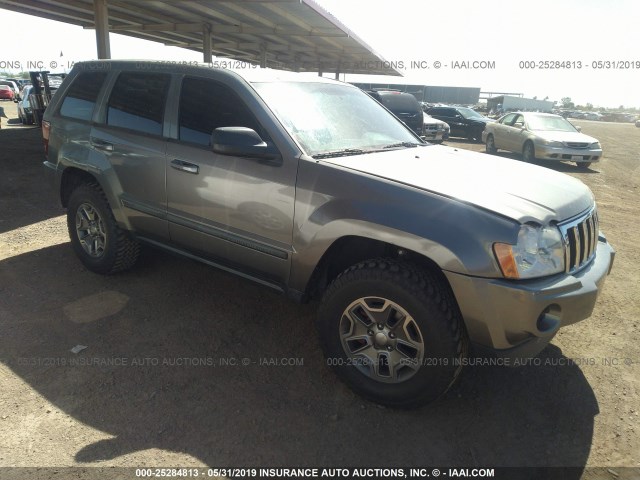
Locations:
507 103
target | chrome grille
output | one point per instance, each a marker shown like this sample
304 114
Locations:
577 144
432 127
580 238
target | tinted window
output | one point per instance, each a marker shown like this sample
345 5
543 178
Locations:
81 96
137 102
400 102
206 105
443 112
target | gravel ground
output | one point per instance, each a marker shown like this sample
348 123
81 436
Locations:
188 366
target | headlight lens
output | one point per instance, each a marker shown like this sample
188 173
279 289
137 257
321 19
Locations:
537 253
595 145
550 143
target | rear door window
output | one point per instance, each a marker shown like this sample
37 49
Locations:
80 99
137 102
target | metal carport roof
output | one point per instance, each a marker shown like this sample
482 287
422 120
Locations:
296 35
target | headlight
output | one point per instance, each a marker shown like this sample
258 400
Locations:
595 145
550 143
538 252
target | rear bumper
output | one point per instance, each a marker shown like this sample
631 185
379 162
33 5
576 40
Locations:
518 319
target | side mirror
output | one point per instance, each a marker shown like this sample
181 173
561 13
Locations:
244 142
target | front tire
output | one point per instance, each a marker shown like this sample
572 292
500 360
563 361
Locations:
100 244
491 145
392 332
528 152
583 165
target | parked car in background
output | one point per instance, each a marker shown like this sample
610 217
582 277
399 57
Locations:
541 135
592 116
638 123
25 114
403 105
463 121
434 130
6 92
18 81
13 85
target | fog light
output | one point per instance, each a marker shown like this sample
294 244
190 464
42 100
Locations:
549 319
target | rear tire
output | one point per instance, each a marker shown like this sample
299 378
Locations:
392 332
100 244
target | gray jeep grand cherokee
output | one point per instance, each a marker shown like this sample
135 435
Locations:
311 187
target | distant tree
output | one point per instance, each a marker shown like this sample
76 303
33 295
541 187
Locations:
535 98
589 106
566 102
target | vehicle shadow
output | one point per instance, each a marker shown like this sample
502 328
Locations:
25 198
185 358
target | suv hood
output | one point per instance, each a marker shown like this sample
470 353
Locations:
511 188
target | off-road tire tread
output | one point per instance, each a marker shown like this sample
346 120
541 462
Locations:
418 282
127 247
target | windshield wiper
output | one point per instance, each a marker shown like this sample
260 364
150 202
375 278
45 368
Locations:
402 144
339 153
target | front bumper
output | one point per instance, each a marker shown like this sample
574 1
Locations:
431 136
516 319
546 152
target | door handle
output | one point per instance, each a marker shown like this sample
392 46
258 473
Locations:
185 166
101 144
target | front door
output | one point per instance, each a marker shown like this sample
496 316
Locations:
236 211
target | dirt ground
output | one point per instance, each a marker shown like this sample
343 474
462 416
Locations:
185 365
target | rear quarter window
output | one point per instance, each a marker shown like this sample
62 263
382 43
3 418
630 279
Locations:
80 99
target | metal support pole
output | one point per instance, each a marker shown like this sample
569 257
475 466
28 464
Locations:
263 56
206 43
101 19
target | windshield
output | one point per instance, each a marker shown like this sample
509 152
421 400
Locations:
548 123
325 118
468 113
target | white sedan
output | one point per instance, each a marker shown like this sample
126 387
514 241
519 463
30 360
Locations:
541 135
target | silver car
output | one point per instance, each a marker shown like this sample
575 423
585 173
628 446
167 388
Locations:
541 135
434 130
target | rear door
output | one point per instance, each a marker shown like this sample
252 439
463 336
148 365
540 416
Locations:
131 140
236 211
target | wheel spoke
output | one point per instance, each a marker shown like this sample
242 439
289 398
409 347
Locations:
385 335
90 230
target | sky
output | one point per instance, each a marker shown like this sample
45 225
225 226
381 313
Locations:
596 40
